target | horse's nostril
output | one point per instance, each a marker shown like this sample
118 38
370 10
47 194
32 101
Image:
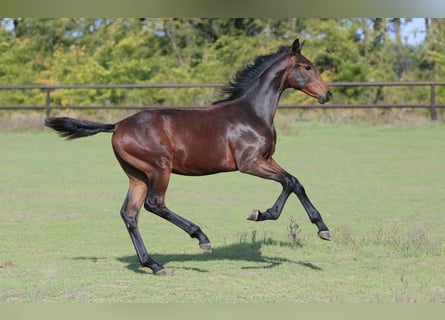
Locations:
328 94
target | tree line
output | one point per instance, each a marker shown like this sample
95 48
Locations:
207 50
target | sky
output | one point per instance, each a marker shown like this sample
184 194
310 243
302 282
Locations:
413 32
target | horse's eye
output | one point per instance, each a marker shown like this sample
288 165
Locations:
307 67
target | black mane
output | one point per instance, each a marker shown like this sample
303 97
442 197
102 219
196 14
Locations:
243 78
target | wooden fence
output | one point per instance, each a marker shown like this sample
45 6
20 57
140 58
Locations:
431 104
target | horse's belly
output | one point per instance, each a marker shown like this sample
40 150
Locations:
202 162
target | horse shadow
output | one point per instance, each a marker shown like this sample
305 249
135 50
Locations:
243 251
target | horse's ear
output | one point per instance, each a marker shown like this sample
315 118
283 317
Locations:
297 47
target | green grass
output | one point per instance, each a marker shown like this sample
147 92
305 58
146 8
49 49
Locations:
380 190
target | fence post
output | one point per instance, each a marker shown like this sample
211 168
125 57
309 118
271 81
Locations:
48 101
433 112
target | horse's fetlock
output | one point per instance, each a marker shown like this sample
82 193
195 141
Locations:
195 231
315 220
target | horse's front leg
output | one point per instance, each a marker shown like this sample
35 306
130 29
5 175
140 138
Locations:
274 212
269 169
314 215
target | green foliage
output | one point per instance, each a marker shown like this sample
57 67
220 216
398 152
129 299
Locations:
205 50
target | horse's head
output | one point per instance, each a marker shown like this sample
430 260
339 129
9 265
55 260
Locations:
303 76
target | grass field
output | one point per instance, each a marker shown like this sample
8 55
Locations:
380 190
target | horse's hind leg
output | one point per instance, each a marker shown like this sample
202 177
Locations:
155 202
130 214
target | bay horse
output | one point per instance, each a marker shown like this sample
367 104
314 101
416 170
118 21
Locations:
236 133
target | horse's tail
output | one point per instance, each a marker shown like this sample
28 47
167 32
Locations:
72 129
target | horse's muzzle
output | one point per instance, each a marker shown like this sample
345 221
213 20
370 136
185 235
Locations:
326 98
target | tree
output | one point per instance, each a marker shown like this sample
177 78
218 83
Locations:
205 50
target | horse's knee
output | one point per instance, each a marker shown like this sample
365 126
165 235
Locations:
291 183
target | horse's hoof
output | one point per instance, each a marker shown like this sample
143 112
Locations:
206 247
161 272
165 272
253 216
325 235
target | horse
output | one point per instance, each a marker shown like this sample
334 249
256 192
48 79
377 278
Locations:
235 133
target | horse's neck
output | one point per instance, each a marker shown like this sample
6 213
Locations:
263 97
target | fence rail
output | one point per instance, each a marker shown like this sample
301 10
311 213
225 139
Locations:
432 105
